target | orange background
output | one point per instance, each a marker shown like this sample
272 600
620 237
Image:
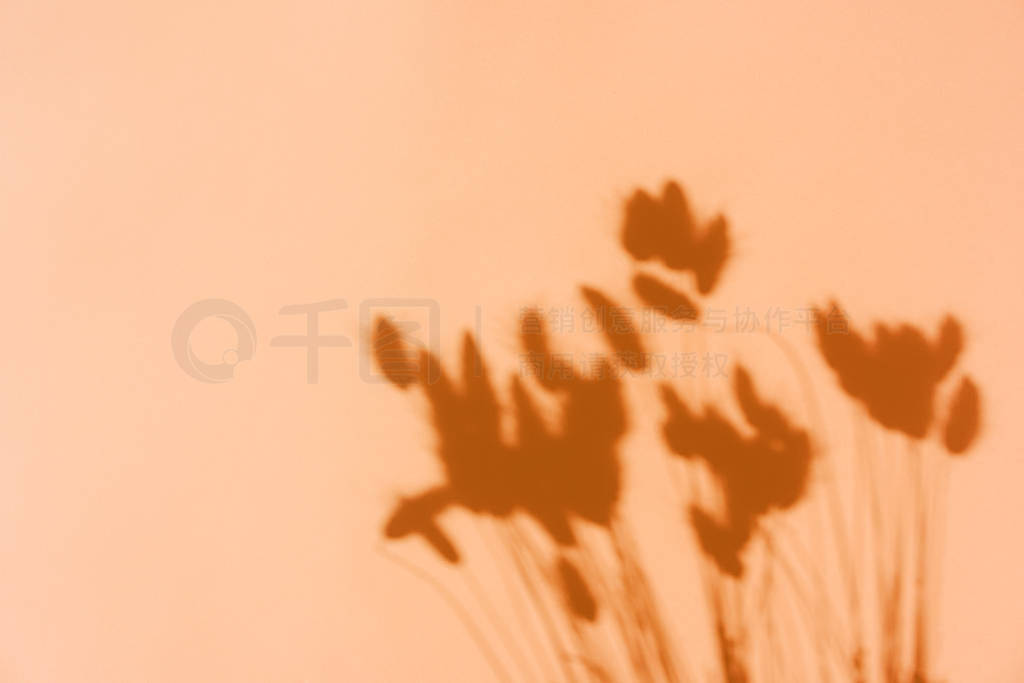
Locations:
154 528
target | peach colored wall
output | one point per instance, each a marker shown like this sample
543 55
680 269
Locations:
155 528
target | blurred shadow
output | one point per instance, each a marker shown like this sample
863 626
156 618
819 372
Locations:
618 329
578 598
664 229
896 376
663 299
560 466
551 474
757 474
964 419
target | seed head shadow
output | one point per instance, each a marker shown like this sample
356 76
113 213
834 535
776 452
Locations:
757 474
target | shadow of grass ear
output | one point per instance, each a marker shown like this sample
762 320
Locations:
964 420
618 329
578 596
396 359
895 375
418 515
721 543
712 253
665 300
665 229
